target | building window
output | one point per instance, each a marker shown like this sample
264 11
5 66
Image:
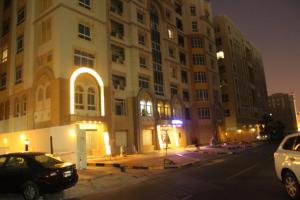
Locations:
119 82
143 62
171 52
21 15
84 31
4 56
202 95
85 3
6 110
6 4
17 108
203 113
167 110
24 105
200 77
196 42
143 82
168 14
187 113
79 104
181 40
184 76
218 41
174 72
140 17
179 24
45 31
185 95
198 59
120 107
3 81
194 26
171 34
225 97
83 59
141 39
116 7
226 113
5 27
193 11
182 58
146 108
117 30
174 90
91 99
20 43
18 75
118 54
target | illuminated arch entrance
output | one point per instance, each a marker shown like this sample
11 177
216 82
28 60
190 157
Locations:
76 73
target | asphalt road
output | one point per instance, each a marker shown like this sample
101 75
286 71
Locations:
248 175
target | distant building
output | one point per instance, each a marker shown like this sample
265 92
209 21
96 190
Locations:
282 107
243 84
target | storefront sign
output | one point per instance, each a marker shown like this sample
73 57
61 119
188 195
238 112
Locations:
176 122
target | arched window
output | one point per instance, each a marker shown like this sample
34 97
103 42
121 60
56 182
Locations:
143 108
6 110
40 94
79 98
160 109
24 105
91 99
17 107
167 110
149 108
1 111
48 92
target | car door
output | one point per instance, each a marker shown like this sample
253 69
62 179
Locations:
2 173
295 157
15 170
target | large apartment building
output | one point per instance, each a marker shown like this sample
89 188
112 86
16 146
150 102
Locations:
85 77
282 108
243 84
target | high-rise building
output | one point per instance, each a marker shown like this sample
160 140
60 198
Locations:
85 78
243 84
282 107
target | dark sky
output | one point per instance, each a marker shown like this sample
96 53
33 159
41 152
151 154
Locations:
274 27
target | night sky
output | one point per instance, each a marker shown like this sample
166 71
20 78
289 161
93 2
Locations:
274 27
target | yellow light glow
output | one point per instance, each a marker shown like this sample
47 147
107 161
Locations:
239 131
106 142
220 55
161 145
23 137
26 142
5 140
175 136
253 129
92 72
72 133
88 126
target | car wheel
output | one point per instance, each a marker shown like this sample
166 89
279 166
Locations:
291 185
30 191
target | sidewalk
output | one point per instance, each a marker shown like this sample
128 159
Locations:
175 158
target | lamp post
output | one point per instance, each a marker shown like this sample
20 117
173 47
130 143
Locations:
26 144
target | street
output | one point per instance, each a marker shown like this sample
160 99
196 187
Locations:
248 175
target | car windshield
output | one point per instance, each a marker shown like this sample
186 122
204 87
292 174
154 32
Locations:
47 160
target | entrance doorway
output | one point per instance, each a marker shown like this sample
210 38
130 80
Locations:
94 144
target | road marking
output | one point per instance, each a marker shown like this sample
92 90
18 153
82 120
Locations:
241 172
214 162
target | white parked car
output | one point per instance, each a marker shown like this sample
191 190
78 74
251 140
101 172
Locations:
287 164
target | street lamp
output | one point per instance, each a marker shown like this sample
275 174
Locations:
26 142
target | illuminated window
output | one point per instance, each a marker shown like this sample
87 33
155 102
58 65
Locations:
146 108
160 109
220 55
83 59
143 108
4 56
171 34
149 108
79 98
167 110
91 99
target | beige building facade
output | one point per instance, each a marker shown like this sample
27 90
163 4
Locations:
85 78
243 84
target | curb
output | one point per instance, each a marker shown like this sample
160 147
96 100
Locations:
123 168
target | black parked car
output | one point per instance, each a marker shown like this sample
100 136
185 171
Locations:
33 173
